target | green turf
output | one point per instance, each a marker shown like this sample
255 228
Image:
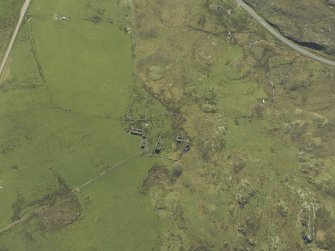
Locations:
9 13
114 217
64 95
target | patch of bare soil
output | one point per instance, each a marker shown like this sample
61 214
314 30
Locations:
60 215
158 175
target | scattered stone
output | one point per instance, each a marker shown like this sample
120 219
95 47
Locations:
276 244
310 168
313 144
320 121
306 238
238 164
127 29
297 129
204 58
187 148
181 139
252 241
138 132
325 185
252 223
307 220
282 208
245 193
63 213
143 144
216 8
330 2
208 108
158 148
158 175
241 229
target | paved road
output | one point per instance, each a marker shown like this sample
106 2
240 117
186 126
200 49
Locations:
283 39
12 40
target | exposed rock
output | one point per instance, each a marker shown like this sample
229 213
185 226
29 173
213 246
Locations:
212 138
307 220
204 58
245 193
310 168
63 213
252 241
326 186
297 128
330 2
282 208
242 230
276 243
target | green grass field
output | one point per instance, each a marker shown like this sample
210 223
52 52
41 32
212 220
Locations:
258 173
9 11
64 94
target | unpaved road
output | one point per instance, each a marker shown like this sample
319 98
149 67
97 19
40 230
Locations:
77 189
12 40
282 38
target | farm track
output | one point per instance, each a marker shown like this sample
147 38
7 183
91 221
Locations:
77 189
281 37
13 38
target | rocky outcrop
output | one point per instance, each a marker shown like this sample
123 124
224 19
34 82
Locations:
308 23
307 220
330 2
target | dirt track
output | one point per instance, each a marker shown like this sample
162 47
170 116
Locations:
77 189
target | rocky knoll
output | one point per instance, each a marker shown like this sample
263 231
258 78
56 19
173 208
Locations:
309 23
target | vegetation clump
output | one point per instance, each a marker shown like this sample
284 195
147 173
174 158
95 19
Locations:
156 73
244 193
63 213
